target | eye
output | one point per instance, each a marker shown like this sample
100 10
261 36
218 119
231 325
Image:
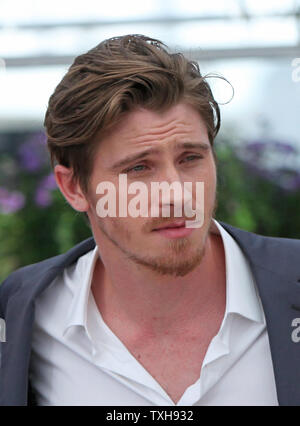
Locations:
136 169
190 158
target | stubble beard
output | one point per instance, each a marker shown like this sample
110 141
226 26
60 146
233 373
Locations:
176 260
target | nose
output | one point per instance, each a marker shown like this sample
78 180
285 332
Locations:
170 192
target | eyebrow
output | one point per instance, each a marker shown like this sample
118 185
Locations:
141 155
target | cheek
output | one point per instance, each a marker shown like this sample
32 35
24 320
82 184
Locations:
212 182
210 190
204 196
123 228
210 178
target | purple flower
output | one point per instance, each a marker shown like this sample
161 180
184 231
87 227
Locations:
43 196
255 147
289 180
284 147
258 149
272 160
11 202
32 153
49 182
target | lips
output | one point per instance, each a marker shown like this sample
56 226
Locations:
174 230
176 224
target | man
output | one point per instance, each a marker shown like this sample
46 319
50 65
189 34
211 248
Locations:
149 311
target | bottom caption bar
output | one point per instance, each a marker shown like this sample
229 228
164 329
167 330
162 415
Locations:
140 415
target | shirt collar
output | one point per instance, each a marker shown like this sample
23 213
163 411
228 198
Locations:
241 293
78 278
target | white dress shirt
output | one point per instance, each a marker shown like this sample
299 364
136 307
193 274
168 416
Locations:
77 360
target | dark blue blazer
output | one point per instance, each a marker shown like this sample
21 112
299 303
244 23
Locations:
275 263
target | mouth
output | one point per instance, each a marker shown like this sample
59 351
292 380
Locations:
177 224
174 230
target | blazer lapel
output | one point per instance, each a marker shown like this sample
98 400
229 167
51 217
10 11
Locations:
16 350
19 322
279 290
276 268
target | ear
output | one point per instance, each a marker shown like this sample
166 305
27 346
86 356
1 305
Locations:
70 188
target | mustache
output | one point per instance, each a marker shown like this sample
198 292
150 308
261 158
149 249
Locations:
160 222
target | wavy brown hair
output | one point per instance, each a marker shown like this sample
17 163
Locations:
112 79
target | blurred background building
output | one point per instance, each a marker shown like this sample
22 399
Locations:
254 44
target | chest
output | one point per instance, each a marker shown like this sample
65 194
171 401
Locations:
174 363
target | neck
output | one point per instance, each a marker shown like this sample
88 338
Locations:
152 304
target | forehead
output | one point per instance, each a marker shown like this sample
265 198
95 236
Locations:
141 129
146 122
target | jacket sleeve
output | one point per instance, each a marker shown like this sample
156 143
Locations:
2 329
8 287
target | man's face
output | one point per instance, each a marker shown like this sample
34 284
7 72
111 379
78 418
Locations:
163 135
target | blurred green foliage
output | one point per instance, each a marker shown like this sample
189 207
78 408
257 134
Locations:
33 234
246 198
257 199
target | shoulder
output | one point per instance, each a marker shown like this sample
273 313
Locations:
41 272
259 240
273 253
